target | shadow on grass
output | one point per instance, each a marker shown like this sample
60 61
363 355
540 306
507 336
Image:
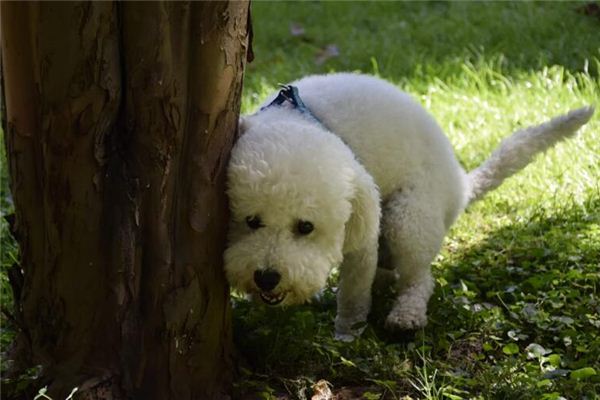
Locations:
534 282
550 250
531 282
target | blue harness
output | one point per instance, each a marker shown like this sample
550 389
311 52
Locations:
290 94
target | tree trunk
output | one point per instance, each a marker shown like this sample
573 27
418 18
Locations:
119 121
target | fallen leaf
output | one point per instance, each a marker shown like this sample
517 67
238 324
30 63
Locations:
322 391
330 51
591 9
296 29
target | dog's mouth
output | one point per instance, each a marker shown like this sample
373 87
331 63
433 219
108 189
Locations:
272 299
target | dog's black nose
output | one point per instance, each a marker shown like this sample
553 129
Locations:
266 279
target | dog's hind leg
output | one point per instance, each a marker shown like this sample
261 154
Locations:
414 230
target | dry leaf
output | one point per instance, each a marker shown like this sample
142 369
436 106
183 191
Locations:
592 9
330 51
322 391
296 29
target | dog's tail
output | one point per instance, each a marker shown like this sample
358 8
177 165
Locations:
518 150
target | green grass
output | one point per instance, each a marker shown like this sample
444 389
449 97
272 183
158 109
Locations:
8 253
516 309
515 313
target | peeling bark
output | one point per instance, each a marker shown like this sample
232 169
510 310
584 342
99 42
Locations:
120 118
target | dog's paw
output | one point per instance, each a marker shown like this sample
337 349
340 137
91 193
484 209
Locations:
344 337
395 322
348 330
407 315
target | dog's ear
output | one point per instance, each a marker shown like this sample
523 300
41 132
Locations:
362 228
242 125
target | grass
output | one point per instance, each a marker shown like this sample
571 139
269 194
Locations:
8 253
516 311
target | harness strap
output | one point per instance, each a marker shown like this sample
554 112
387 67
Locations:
290 94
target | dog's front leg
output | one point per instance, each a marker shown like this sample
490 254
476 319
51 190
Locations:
357 271
354 292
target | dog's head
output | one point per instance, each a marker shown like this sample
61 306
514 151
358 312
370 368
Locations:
297 202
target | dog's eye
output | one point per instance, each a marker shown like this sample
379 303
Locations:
254 222
305 227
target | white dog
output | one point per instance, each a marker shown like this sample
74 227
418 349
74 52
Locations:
314 182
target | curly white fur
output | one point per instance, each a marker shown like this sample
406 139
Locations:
378 165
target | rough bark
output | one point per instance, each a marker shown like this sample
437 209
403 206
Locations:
120 118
